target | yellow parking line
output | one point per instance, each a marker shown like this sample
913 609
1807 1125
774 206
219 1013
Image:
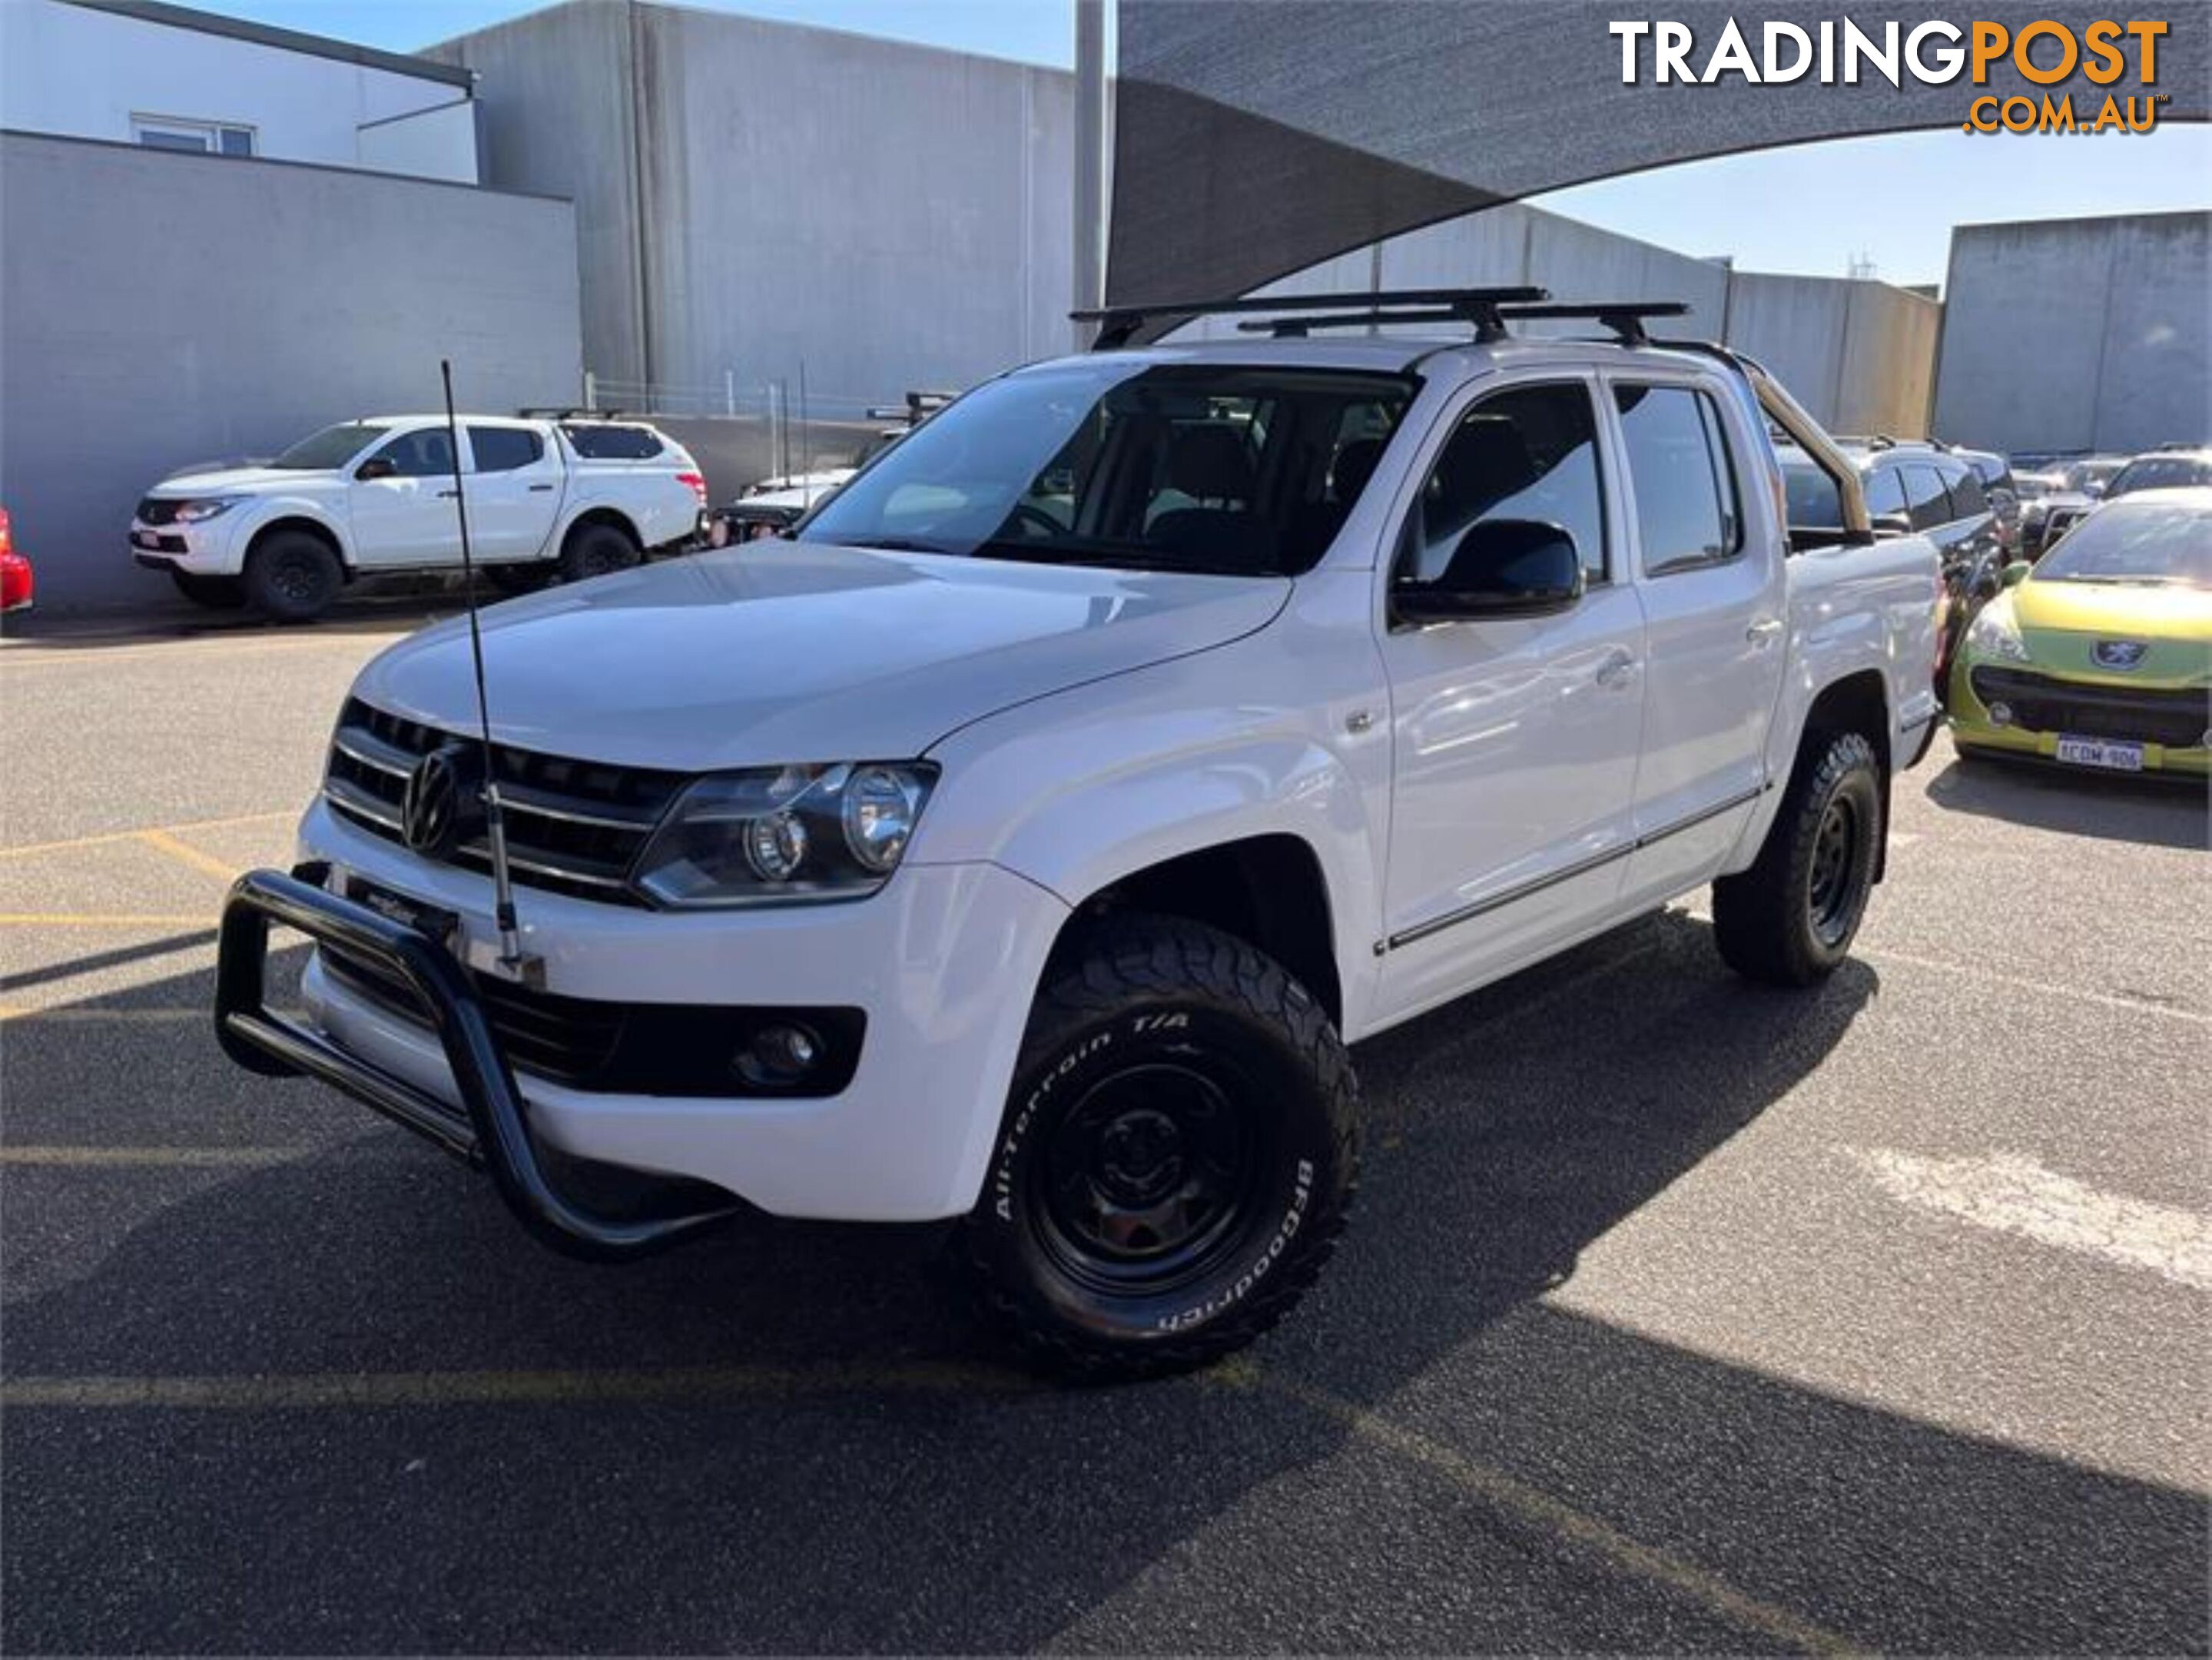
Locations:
82 920
184 853
1540 1510
108 837
449 1389
155 1157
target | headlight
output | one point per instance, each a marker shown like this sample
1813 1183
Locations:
1994 636
206 508
786 835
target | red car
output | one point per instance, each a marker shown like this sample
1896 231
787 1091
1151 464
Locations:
15 582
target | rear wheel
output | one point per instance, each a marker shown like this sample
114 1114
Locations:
216 592
1791 919
1177 1157
594 550
292 576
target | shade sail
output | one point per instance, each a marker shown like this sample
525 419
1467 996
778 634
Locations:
1255 138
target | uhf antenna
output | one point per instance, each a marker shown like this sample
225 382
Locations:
503 882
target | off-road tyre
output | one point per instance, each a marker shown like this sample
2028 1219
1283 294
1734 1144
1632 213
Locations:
595 550
293 576
1791 919
520 579
216 592
1178 1155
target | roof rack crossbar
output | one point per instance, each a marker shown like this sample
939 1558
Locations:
570 413
1118 324
1626 318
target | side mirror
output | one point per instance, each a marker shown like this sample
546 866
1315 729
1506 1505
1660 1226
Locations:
2094 491
375 467
1501 568
2016 573
1891 524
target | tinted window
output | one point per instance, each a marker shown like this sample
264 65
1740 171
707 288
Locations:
1967 499
2150 472
598 441
1101 461
333 446
1885 493
425 454
1686 508
502 449
1924 496
1529 453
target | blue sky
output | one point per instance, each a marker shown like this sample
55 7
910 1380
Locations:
1811 210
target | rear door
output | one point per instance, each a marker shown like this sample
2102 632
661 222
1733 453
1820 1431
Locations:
1928 504
514 490
1514 739
409 517
1709 566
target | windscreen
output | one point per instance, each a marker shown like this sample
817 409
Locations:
2154 472
1185 467
331 448
2155 542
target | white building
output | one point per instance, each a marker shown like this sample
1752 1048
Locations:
142 72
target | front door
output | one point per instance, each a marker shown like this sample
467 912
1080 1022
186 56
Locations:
1515 741
407 517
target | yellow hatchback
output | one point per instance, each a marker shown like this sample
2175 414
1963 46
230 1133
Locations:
2100 657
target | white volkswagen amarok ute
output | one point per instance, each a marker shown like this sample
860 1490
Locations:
1024 842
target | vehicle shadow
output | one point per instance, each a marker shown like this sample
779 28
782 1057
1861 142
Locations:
865 1475
2156 812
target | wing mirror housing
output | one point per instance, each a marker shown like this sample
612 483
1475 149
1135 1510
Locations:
1501 567
2016 573
376 467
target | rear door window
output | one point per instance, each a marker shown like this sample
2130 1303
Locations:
1687 511
1968 500
1924 499
1885 494
505 449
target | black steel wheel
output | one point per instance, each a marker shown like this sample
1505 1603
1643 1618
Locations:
292 576
1791 919
596 550
1176 1159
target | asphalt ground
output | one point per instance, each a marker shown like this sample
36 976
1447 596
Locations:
1676 1314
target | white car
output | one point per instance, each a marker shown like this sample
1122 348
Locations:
574 497
1025 841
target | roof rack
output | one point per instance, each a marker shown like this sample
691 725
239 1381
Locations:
1119 325
1625 317
571 414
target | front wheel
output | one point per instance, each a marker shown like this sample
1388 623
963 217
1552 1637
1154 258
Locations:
292 576
1177 1157
1791 919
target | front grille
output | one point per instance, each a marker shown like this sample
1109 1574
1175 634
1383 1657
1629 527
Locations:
631 1049
2177 719
574 827
154 511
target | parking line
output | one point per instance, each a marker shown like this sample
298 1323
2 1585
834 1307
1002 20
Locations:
2107 999
151 1157
1540 1510
315 1390
184 853
108 837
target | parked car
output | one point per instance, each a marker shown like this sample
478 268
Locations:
1026 840
2174 467
17 584
573 498
2100 656
773 505
1923 490
2082 483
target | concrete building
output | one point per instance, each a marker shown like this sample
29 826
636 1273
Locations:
758 201
2079 334
142 72
333 253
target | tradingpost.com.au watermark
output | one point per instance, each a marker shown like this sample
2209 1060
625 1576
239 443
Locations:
1935 53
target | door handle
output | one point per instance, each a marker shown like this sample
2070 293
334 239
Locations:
1763 630
1617 670
447 495
541 487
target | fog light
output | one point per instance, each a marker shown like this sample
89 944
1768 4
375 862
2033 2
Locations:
2000 714
778 1056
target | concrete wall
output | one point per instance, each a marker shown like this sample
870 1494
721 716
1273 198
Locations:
1859 354
755 198
312 295
2083 334
75 72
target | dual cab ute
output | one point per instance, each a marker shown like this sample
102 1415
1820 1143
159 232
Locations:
572 498
1025 841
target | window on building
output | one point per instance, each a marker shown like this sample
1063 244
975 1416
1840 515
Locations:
163 132
1531 452
1688 513
504 449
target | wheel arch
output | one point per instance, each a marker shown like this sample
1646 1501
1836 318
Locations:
1855 702
600 513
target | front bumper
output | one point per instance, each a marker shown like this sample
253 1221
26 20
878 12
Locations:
943 963
1972 728
203 549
